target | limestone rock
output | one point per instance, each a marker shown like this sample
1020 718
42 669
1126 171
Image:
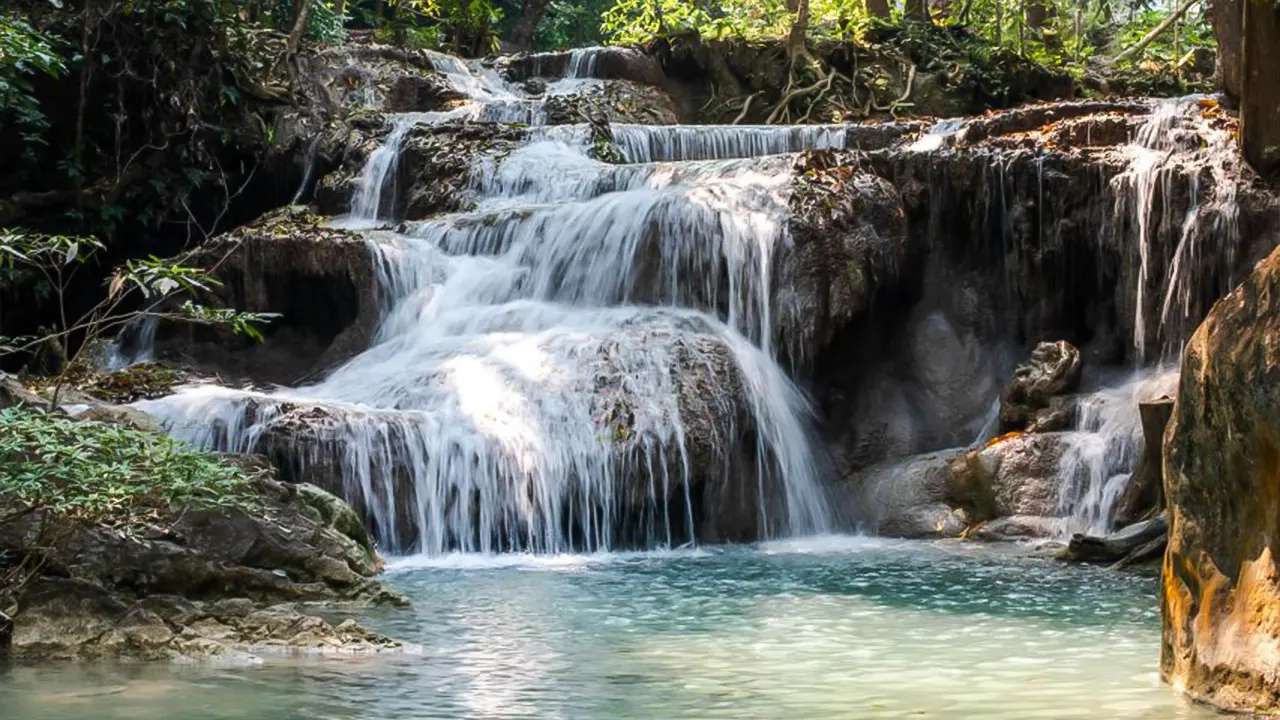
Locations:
78 619
1054 369
848 238
905 498
1018 475
1017 527
1221 591
320 281
620 101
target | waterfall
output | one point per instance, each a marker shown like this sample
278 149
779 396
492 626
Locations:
134 344
367 203
1170 151
582 362
582 62
1102 452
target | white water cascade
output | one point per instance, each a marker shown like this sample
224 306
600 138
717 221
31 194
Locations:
582 362
1173 148
1101 454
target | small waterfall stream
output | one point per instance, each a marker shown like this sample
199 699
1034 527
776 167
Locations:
551 373
1102 452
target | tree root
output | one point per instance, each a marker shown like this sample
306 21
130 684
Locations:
746 107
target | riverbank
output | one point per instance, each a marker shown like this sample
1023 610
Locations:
116 542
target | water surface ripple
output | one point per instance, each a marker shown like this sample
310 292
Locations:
817 628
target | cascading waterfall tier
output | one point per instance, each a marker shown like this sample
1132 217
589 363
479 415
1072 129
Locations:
1165 205
1102 452
583 362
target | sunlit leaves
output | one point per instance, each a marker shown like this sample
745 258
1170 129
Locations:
85 471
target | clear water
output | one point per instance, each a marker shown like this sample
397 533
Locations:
820 628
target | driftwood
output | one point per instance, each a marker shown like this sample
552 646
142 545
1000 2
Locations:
1124 547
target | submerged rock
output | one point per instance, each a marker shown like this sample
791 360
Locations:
1221 591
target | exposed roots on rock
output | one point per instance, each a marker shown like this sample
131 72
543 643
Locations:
746 108
826 81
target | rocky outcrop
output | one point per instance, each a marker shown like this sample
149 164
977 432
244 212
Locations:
203 582
1221 590
1026 402
320 281
617 101
432 173
848 237
71 619
1025 226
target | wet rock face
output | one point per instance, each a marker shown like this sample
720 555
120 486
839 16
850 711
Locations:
612 63
1027 226
433 170
320 281
1221 589
619 101
1054 370
848 237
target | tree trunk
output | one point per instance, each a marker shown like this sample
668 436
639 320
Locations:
917 10
1225 15
531 12
1260 91
303 12
878 9
799 27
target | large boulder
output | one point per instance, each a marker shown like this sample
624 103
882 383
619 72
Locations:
1054 370
1221 591
904 498
1017 475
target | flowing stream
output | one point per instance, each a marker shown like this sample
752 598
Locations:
839 628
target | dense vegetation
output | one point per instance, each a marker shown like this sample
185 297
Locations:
88 472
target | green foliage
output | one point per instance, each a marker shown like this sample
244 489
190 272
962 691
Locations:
94 472
24 54
466 27
1056 33
55 257
569 24
1169 47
